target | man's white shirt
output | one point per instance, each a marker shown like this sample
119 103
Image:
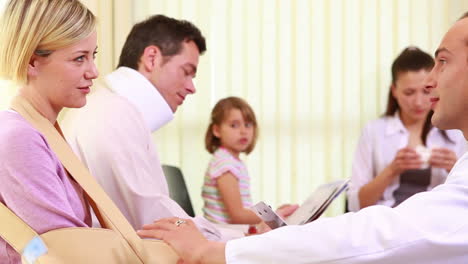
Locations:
112 137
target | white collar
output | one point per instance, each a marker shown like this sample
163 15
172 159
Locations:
132 85
395 125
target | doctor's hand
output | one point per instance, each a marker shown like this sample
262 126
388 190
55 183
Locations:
405 159
186 240
442 158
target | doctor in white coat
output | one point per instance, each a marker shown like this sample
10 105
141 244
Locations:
429 227
112 134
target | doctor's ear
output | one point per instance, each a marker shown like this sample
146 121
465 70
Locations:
151 58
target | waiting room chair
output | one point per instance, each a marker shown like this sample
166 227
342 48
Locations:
346 206
177 188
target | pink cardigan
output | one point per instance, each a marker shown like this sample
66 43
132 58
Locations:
34 184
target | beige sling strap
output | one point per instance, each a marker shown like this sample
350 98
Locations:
110 213
103 206
14 230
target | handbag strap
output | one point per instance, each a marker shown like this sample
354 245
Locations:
103 206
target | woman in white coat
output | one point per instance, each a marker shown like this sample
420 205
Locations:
401 153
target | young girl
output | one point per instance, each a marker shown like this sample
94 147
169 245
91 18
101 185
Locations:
226 189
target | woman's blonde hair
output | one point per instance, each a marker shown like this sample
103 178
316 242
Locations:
39 27
220 113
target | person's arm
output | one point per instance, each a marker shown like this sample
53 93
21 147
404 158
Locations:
187 241
123 158
446 156
143 191
426 228
443 158
405 159
366 188
33 185
371 192
228 187
362 168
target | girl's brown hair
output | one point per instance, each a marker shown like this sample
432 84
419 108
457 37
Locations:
219 114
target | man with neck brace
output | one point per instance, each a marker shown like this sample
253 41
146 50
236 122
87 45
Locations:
112 133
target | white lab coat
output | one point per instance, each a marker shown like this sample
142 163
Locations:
428 228
381 139
112 137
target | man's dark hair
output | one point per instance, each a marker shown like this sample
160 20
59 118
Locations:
465 15
166 33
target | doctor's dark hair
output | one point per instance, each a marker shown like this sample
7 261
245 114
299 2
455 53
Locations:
166 33
465 15
411 59
220 113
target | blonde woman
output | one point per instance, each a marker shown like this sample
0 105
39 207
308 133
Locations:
47 48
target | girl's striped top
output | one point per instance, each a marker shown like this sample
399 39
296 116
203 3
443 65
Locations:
222 162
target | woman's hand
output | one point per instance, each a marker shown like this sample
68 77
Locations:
442 158
405 159
182 235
